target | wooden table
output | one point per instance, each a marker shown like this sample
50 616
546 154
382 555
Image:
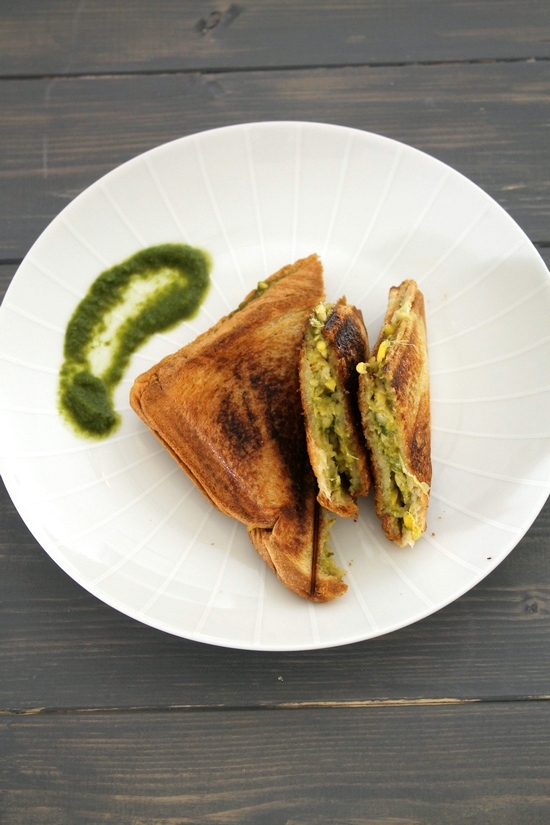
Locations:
104 720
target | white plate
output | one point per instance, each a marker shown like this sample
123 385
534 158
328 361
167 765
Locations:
122 519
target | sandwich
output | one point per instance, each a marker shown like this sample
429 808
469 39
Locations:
227 407
334 342
394 400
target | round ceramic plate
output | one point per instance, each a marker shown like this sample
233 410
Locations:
123 520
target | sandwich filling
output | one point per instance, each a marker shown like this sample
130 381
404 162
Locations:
256 293
323 563
400 487
339 470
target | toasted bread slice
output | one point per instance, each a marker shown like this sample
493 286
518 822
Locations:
227 407
335 342
394 399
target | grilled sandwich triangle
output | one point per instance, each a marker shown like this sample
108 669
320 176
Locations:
228 409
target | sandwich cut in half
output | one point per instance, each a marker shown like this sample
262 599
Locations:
394 399
334 342
227 407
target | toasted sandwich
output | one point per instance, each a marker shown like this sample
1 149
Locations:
228 409
394 399
334 343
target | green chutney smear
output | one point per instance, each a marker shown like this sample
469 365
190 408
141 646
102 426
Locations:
150 292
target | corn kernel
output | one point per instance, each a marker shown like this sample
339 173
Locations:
382 349
330 384
322 347
321 312
389 329
408 521
361 367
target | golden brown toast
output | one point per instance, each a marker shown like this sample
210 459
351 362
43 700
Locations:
227 407
394 399
335 342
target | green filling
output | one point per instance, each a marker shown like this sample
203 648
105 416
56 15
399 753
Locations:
326 563
257 293
329 415
328 566
399 486
148 293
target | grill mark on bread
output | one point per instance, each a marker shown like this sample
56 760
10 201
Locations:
285 428
342 330
238 425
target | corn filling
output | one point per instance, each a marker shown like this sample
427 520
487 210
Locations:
327 403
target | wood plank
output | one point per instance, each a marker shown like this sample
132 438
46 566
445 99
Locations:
61 648
7 271
60 135
60 37
385 766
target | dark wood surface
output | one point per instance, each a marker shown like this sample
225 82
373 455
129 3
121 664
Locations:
106 720
393 765
107 36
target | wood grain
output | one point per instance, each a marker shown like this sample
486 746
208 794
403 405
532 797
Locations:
60 37
60 135
409 766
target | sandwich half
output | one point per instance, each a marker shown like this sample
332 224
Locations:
394 399
227 407
334 343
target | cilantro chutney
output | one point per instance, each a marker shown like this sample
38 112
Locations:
149 292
